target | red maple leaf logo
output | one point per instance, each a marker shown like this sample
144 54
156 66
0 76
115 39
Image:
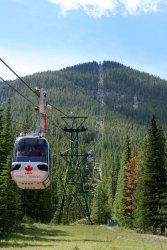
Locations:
28 168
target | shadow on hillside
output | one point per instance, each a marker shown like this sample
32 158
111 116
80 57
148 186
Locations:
22 245
36 236
32 235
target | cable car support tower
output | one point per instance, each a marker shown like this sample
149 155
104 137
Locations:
74 195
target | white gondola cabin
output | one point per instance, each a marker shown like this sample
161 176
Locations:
31 162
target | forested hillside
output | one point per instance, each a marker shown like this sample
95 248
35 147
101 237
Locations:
123 106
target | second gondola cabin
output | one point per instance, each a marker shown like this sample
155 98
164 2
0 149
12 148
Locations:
31 167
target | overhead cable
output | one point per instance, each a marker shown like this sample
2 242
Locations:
56 109
16 74
17 91
27 84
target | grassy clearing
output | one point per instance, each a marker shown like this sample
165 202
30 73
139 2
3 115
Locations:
80 237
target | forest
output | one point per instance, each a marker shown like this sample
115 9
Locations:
126 182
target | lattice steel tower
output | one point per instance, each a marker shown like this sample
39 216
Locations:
75 196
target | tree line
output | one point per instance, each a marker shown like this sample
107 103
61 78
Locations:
127 175
138 199
141 195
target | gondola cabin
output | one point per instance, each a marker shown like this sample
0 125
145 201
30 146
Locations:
31 162
90 156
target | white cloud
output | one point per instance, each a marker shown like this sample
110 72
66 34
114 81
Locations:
94 8
98 8
136 6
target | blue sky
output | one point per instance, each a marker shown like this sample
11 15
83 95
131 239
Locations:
39 35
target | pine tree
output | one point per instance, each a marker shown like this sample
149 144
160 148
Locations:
26 124
0 121
37 204
132 174
9 199
6 136
163 211
8 191
120 204
151 186
100 207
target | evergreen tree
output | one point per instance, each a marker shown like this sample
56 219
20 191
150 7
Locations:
120 204
100 207
163 211
109 189
132 174
26 124
8 191
151 187
37 204
6 137
0 121
9 200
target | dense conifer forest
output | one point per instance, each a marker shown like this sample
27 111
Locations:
127 125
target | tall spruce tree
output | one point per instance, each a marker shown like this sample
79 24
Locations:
25 124
6 136
163 211
9 199
132 175
151 187
120 204
8 191
100 207
0 121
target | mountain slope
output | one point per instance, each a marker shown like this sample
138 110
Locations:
131 97
117 100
